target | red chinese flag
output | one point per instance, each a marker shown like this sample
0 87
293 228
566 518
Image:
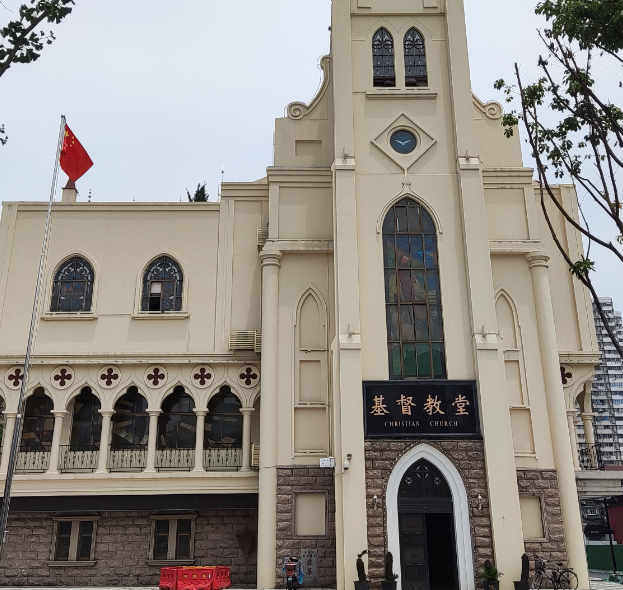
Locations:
74 158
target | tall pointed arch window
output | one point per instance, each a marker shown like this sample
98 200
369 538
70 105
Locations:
415 59
162 286
412 294
72 291
383 59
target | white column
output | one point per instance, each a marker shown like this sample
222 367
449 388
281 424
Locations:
267 497
102 459
589 434
201 420
150 467
557 417
59 416
7 440
246 438
574 438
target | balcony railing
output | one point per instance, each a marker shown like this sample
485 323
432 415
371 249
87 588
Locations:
222 457
76 459
175 459
33 460
127 458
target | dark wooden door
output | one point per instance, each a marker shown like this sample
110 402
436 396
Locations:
413 558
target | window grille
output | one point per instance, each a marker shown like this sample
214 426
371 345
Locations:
72 291
162 286
415 59
412 294
383 59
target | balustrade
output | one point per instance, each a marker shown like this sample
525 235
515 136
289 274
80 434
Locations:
222 457
127 458
178 459
33 460
74 458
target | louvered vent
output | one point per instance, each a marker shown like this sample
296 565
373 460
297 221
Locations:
255 455
262 236
245 340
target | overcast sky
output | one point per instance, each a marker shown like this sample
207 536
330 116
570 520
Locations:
163 94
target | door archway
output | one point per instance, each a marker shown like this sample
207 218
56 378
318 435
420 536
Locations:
451 500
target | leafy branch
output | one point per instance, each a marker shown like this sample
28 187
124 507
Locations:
586 141
21 43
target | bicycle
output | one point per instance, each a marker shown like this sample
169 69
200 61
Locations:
562 578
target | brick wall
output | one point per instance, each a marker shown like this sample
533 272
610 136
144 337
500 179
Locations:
544 483
467 457
121 550
304 478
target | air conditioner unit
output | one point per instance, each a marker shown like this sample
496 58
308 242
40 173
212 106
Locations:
245 340
255 455
262 236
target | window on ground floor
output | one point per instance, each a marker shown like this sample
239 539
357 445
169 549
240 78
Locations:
173 537
74 539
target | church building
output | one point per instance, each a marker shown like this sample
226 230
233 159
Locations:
378 346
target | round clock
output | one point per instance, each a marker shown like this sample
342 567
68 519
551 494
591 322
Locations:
403 141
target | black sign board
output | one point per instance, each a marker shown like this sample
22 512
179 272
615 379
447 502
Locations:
414 409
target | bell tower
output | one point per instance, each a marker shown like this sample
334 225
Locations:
404 129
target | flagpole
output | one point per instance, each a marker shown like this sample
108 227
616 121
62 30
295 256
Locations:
34 321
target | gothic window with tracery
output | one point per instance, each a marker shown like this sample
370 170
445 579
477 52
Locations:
383 59
38 422
162 286
412 294
415 59
72 290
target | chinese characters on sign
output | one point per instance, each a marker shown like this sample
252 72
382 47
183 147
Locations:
421 409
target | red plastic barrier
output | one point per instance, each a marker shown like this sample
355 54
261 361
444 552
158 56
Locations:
195 578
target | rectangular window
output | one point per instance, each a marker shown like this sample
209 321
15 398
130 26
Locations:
74 540
173 538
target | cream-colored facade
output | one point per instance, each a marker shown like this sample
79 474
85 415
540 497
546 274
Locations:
284 302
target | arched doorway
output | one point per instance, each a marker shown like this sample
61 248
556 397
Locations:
426 529
418 502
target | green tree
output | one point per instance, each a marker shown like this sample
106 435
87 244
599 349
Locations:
21 43
575 131
200 196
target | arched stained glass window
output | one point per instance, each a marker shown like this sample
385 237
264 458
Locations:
177 424
383 59
162 286
223 426
412 294
72 290
415 59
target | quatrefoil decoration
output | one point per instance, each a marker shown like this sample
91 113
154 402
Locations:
566 374
202 376
156 376
14 377
109 376
248 376
63 377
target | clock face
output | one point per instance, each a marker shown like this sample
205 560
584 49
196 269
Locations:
404 142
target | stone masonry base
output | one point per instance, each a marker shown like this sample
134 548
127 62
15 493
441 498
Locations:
121 550
305 478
